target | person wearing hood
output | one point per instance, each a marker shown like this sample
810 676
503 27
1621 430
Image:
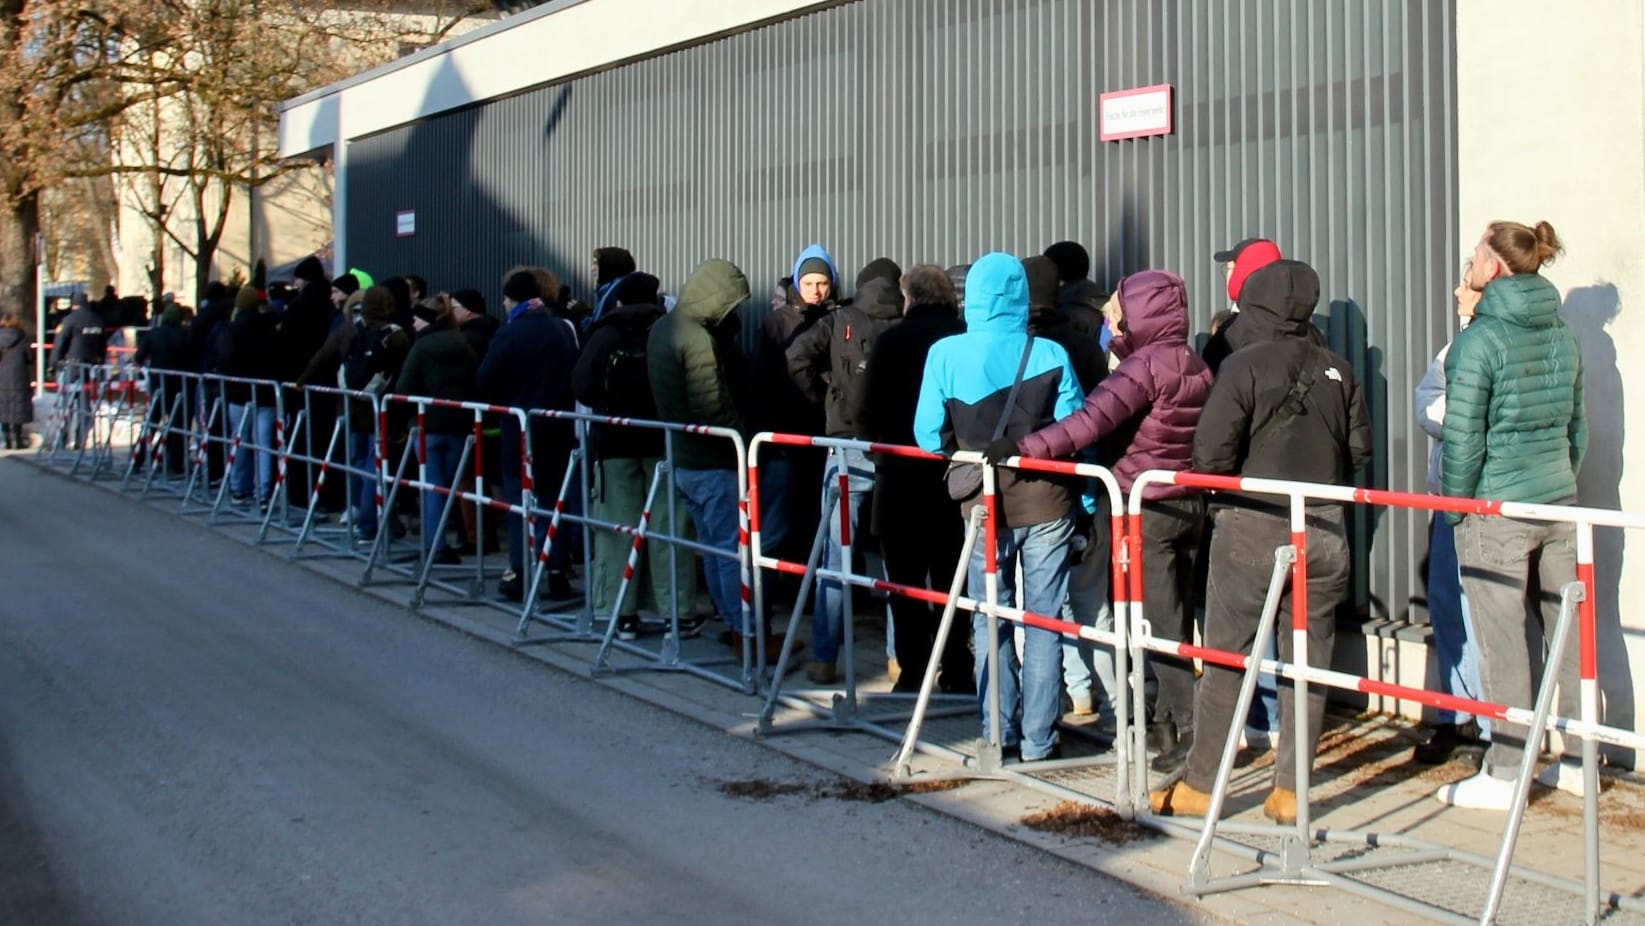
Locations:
610 266
468 309
966 403
248 354
690 357
1143 417
1281 408
920 535
611 379
376 352
16 394
828 363
1515 430
529 366
787 474
169 348
312 314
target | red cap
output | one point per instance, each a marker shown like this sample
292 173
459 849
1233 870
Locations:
1248 257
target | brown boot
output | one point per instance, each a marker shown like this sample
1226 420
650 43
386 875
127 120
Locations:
1281 806
773 649
1180 800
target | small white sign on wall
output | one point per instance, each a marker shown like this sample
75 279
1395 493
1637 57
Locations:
1135 113
405 223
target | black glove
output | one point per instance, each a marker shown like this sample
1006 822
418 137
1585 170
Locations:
999 450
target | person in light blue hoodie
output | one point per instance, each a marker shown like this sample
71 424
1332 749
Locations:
963 397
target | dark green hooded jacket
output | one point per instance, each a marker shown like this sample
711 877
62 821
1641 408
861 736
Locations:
691 367
1514 427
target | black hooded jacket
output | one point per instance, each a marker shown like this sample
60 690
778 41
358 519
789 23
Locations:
828 362
1282 406
1071 322
616 346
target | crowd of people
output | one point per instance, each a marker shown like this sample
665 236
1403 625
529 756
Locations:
1007 357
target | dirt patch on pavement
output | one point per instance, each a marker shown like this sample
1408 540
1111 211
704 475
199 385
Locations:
838 789
1083 821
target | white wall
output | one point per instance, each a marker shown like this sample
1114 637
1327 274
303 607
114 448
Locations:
1551 126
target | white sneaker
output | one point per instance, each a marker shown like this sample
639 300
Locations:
1481 792
1565 776
1257 740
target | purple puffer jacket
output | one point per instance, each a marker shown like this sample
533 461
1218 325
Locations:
1151 403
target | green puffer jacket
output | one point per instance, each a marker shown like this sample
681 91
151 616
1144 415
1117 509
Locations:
693 369
1514 426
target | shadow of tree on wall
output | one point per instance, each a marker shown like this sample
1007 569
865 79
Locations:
1589 310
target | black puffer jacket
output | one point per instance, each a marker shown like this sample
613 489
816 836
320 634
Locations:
16 361
829 362
83 337
1282 407
778 404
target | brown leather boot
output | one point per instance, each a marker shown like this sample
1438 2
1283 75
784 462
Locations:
1180 800
1281 806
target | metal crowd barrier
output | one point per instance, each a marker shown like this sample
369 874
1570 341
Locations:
1295 863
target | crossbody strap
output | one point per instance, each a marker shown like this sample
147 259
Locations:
1016 386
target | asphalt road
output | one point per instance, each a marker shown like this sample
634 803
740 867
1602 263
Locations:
192 731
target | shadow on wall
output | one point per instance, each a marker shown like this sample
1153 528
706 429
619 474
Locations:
1348 333
1589 310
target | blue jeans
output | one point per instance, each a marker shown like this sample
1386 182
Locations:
711 502
1455 643
363 510
828 615
442 452
1030 692
775 484
260 432
1087 604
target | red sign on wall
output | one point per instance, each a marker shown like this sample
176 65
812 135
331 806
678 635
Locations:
1135 113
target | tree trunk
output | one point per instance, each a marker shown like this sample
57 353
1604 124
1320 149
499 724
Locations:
19 222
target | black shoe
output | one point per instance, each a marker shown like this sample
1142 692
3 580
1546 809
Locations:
447 557
628 626
691 625
511 589
1172 759
1162 735
559 587
1449 742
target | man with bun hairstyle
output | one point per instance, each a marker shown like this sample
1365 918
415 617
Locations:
1514 430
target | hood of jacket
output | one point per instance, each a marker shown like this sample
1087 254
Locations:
821 253
1155 307
879 298
996 295
1276 302
628 317
1527 300
714 289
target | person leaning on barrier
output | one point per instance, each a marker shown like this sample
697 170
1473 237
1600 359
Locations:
1515 430
440 365
528 366
1281 408
1143 416
828 362
376 351
611 378
16 396
690 356
920 535
169 348
963 400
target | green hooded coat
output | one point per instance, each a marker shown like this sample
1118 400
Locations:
691 368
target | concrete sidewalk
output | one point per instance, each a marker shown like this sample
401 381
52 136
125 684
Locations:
1365 781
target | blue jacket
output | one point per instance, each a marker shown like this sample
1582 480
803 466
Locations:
968 376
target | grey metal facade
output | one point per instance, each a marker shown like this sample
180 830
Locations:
937 130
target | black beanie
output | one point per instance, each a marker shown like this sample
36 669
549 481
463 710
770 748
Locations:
471 300
310 270
612 264
1042 281
637 289
880 268
346 284
1073 263
814 265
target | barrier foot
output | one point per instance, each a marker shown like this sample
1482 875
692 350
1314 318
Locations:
768 711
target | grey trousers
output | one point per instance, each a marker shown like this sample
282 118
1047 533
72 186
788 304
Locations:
1242 563
1503 561
620 486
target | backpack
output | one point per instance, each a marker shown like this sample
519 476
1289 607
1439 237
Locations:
624 379
366 367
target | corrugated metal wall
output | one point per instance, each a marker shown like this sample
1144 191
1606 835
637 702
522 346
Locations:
936 130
